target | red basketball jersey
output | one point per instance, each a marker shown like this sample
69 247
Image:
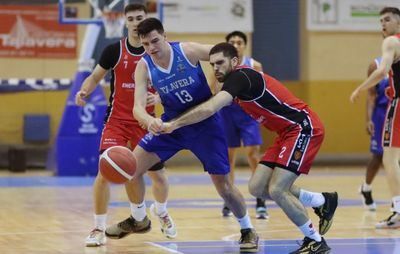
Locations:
278 109
123 86
394 78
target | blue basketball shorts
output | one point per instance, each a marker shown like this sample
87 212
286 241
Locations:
204 139
239 127
378 118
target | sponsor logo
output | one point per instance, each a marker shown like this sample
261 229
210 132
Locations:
128 85
87 115
298 155
181 68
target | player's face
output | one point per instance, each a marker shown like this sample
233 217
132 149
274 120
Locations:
390 24
239 44
154 43
132 20
222 65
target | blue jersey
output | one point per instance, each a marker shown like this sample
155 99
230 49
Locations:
182 86
248 61
379 113
381 98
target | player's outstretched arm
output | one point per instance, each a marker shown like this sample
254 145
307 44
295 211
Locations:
89 84
199 112
141 93
371 96
388 53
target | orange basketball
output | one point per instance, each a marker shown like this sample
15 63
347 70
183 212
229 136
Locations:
117 164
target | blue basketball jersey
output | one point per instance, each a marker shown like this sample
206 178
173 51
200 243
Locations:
182 86
248 61
381 98
379 113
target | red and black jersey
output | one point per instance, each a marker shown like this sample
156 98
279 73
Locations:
269 102
122 59
394 78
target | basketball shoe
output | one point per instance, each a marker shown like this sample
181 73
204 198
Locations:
368 201
249 240
166 223
392 222
326 211
310 246
128 226
226 212
261 209
96 238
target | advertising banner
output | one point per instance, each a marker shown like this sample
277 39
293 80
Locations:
30 31
349 15
208 16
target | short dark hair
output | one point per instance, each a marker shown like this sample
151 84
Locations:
236 33
227 49
148 25
135 7
392 10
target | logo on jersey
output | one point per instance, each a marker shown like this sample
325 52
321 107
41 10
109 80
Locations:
297 155
181 68
128 85
177 84
260 119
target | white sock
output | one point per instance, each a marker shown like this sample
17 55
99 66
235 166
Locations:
245 221
100 221
309 231
396 204
313 199
161 208
138 211
366 187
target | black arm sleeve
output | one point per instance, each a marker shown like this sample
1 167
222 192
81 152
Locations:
236 83
109 56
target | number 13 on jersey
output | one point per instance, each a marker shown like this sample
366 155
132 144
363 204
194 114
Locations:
184 96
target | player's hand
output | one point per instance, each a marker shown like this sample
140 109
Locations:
168 127
370 128
155 126
152 99
80 98
354 96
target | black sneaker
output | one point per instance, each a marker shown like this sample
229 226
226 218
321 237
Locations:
310 246
368 201
392 222
261 209
128 226
226 212
326 211
248 241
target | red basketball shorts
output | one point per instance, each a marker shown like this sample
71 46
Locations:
391 129
121 134
296 149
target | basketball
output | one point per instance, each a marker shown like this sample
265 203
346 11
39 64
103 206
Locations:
117 164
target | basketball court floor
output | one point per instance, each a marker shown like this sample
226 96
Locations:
44 214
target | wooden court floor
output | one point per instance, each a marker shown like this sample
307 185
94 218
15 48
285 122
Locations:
44 214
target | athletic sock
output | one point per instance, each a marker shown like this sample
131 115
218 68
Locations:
100 221
309 231
138 211
313 199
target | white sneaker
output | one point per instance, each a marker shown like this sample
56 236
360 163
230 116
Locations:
96 238
166 223
392 222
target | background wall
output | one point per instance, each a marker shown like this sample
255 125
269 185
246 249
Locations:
330 65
